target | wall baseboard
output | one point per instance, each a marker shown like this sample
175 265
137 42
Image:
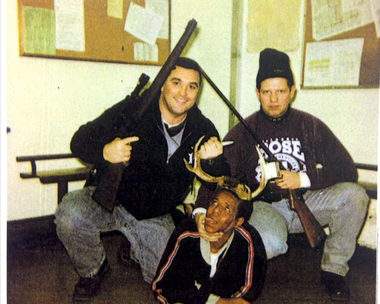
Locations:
32 232
37 232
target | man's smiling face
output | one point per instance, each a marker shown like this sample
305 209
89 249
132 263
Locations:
178 94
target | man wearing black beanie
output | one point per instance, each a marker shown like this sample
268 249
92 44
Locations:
315 162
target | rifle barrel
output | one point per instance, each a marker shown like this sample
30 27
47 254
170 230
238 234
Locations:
312 228
241 119
109 180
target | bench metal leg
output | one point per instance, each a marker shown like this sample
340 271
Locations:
62 188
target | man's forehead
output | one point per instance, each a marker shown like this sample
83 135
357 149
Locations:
276 81
184 71
227 197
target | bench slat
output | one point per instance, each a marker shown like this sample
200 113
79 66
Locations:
44 157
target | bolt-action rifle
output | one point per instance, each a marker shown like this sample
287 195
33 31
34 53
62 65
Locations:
313 230
110 174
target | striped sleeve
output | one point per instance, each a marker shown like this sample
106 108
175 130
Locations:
249 265
166 266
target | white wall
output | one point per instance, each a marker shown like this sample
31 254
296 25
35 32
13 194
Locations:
48 99
352 114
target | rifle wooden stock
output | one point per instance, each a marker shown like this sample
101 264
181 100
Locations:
313 230
111 174
108 184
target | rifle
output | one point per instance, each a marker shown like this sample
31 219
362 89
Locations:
313 230
111 174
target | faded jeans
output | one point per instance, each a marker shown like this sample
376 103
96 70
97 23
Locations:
80 220
342 207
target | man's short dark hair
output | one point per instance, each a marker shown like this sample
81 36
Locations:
191 64
245 209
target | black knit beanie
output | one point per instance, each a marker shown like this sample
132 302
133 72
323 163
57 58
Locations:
273 64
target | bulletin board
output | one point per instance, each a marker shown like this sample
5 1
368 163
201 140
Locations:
121 31
367 65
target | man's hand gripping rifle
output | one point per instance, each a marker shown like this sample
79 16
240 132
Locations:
111 173
271 169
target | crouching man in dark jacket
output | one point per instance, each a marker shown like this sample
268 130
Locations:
230 270
152 185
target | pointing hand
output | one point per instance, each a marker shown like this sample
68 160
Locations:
119 150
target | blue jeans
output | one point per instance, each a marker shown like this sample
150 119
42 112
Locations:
80 220
342 207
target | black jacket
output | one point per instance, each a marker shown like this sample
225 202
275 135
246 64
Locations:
151 184
184 271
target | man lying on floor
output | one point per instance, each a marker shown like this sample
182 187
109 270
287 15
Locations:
193 270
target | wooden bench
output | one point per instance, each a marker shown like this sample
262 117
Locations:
61 177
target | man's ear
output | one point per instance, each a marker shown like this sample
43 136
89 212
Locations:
292 91
239 222
258 94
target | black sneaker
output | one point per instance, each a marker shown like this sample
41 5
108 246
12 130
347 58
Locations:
336 287
87 288
124 254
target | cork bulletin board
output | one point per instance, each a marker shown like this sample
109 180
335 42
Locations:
341 45
122 31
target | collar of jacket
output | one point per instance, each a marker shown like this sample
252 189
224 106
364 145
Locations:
191 120
275 119
205 248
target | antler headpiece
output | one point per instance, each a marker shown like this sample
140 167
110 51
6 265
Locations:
241 190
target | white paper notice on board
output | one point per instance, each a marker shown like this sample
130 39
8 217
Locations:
333 63
115 8
145 52
332 17
142 23
69 25
160 7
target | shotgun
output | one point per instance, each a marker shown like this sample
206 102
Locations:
313 230
111 174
